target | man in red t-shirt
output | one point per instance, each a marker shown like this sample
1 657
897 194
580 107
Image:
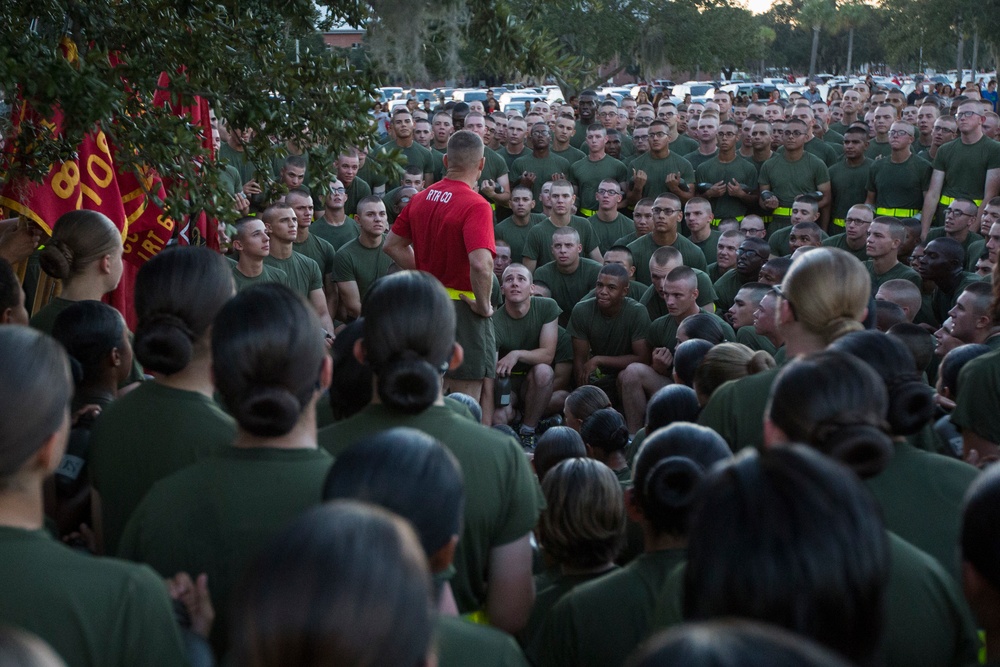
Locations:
447 231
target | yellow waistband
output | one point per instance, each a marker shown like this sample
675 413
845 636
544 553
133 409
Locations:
716 221
898 212
456 295
948 200
782 210
840 222
587 212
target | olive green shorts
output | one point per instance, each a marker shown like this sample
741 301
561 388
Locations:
475 335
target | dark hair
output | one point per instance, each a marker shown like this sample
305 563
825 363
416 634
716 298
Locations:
406 472
732 643
775 537
346 581
36 376
911 401
177 296
79 238
953 363
9 286
605 430
586 400
917 341
980 538
267 352
687 358
668 469
89 331
555 445
888 314
583 523
673 403
351 386
728 361
836 403
409 338
470 403
703 327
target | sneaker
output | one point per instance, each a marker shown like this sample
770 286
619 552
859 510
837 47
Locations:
528 441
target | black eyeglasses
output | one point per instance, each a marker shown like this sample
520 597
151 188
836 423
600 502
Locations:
777 291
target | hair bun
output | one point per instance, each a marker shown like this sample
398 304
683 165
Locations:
164 343
268 412
672 481
408 383
864 448
56 259
911 405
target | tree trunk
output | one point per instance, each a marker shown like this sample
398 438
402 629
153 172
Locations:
850 50
975 53
961 52
815 51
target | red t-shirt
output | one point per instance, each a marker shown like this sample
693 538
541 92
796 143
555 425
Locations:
446 222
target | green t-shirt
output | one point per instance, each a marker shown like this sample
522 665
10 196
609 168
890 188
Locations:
318 250
549 589
787 180
899 270
609 232
371 173
900 185
749 337
878 150
94 612
416 156
587 175
927 620
542 168
523 334
941 301
834 138
230 179
965 167
538 245
683 145
496 167
213 516
580 135
356 191
848 187
609 336
657 171
45 319
824 151
921 498
238 160
644 247
503 499
976 410
740 170
516 236
663 330
727 287
304 275
144 436
840 241
509 157
571 154
460 643
268 274
568 636
710 246
736 410
335 235
569 289
696 158
362 265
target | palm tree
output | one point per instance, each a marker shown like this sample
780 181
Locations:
816 14
852 16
